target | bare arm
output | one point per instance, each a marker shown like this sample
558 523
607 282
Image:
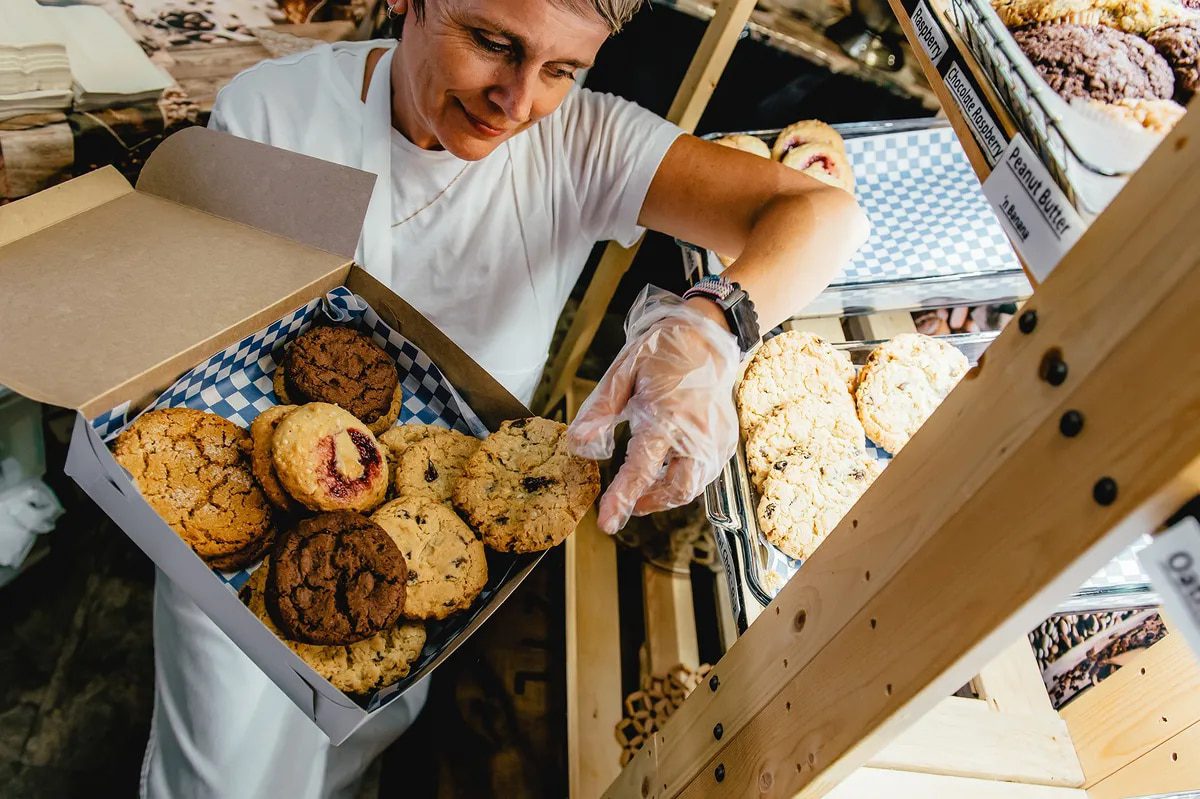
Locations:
790 233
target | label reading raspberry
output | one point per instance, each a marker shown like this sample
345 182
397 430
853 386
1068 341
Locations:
929 32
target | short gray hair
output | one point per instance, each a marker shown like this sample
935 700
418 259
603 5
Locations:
615 13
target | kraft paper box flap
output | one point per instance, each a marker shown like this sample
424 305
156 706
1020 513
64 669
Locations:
108 294
305 199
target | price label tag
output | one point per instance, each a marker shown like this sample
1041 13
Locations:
1173 563
1040 221
987 131
929 32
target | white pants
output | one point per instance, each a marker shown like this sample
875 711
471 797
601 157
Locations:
222 729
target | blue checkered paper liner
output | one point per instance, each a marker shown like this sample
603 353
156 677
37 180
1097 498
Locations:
236 384
927 210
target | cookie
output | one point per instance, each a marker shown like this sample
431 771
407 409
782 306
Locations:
808 131
523 490
803 342
194 469
328 460
262 431
433 466
358 668
335 579
1019 13
745 143
1153 116
397 439
809 491
1179 44
823 162
447 565
902 383
343 367
1096 62
808 421
788 366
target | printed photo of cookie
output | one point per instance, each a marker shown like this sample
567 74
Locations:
335 579
807 421
358 668
262 431
523 490
1096 62
328 460
447 565
902 383
194 469
343 367
432 466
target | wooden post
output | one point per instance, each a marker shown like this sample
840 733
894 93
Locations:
986 519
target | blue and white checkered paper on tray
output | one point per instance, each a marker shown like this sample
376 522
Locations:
236 384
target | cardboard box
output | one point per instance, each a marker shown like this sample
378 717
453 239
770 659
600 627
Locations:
108 294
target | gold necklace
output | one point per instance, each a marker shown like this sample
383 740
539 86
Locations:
436 197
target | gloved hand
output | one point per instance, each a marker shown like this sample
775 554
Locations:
673 383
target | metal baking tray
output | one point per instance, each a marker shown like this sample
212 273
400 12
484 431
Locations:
1089 157
954 250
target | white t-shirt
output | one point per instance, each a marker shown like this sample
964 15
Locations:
491 260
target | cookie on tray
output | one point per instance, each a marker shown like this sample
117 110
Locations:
1096 62
807 131
194 469
447 565
262 432
807 421
807 493
902 383
787 366
328 460
335 579
523 490
1152 116
343 367
823 162
1179 44
359 668
745 143
432 466
397 439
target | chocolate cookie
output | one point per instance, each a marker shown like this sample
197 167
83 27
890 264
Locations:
1179 44
343 367
194 469
329 460
335 579
432 466
1096 62
358 668
262 431
447 566
523 490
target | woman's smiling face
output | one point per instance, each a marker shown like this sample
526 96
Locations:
474 73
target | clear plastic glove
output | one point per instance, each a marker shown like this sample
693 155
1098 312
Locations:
673 383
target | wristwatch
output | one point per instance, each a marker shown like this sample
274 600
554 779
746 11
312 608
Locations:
736 303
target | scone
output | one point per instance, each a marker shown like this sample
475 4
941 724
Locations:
447 565
902 383
807 421
807 131
262 432
1096 62
745 143
432 466
335 579
809 492
823 162
343 367
329 460
194 469
523 490
358 668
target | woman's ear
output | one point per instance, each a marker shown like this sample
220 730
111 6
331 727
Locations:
398 7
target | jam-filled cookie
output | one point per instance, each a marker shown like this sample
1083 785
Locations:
329 460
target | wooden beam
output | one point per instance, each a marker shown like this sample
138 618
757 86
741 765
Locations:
1012 683
670 617
709 62
827 327
967 738
1155 696
1173 765
873 783
986 519
881 326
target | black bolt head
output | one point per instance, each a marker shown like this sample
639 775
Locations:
1071 423
1027 321
1054 369
718 731
719 772
1105 491
713 683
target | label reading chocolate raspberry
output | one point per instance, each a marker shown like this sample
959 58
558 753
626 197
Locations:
1173 563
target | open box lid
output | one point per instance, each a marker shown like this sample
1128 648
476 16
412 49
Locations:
107 292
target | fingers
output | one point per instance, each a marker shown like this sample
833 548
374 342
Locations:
642 468
591 433
683 482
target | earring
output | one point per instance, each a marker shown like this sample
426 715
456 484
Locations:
391 12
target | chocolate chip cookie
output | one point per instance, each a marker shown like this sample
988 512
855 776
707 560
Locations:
328 460
1179 44
262 431
194 469
1096 62
782 371
806 421
447 565
432 466
523 490
343 367
335 579
358 668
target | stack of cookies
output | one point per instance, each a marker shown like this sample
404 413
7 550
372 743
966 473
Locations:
347 591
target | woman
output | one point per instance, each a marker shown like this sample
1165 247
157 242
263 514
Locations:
498 176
